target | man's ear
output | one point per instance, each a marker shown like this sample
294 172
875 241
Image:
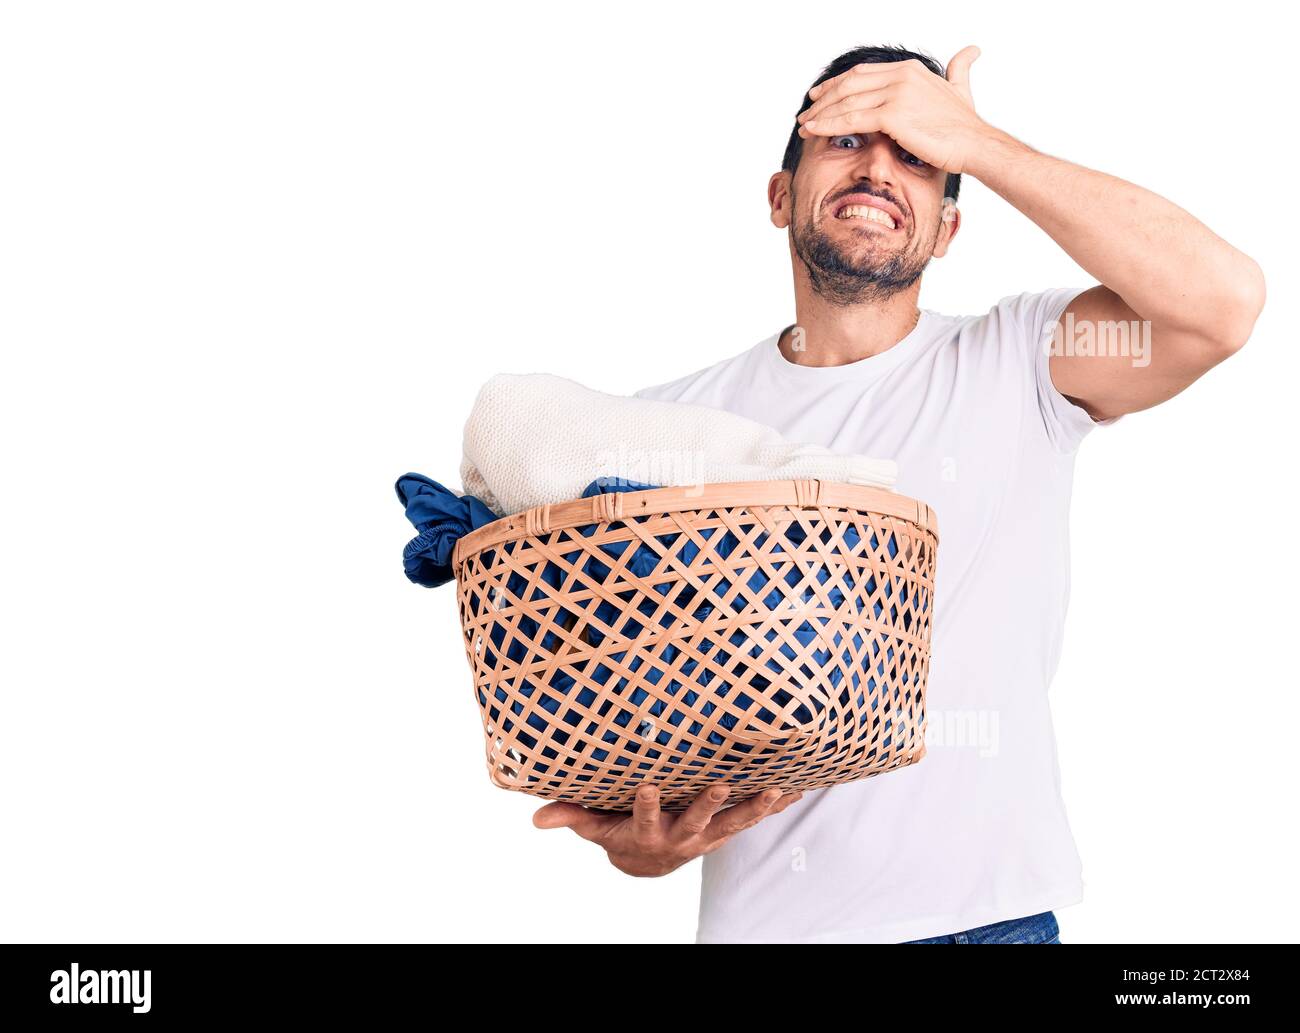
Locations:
949 224
779 199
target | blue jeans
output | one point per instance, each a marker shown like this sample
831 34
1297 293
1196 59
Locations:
1034 929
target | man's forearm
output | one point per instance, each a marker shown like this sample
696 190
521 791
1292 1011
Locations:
1167 266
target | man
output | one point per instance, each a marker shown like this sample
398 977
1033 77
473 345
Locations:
983 414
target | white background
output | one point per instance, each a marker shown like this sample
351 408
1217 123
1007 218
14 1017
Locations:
257 257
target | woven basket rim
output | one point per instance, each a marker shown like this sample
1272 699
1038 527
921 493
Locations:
802 494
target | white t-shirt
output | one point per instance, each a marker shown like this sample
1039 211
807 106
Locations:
976 832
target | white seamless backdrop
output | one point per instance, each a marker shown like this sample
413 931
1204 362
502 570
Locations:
255 259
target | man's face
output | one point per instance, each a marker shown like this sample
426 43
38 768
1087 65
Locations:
865 216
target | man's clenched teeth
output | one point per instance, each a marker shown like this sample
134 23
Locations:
865 211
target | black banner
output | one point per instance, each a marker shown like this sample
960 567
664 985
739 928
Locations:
143 985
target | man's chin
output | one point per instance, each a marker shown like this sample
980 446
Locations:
855 263
868 242
869 267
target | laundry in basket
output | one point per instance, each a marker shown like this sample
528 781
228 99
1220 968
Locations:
759 633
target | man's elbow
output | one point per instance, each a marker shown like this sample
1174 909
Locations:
1240 309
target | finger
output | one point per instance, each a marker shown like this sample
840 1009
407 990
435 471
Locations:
743 815
870 120
837 85
959 70
786 800
695 819
854 102
587 824
858 84
714 844
645 813
851 82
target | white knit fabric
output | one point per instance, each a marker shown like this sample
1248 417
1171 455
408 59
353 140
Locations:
537 439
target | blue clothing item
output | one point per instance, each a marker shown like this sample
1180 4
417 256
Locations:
442 517
613 485
1034 929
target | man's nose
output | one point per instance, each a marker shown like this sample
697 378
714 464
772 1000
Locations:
878 161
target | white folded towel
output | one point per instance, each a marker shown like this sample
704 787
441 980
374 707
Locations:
537 439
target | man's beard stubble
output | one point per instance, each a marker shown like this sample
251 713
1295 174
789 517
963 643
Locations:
836 277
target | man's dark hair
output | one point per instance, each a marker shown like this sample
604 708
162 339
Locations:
857 56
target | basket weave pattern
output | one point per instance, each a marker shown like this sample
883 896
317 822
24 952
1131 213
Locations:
763 634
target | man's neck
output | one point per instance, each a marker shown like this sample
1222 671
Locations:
833 335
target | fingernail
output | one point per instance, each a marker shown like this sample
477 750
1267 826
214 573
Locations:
717 793
810 123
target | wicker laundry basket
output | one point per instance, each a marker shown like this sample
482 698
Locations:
762 634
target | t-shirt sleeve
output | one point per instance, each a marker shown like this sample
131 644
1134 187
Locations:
1034 316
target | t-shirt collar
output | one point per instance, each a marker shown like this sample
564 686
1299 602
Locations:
869 367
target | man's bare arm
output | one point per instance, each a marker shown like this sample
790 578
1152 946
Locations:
1156 263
